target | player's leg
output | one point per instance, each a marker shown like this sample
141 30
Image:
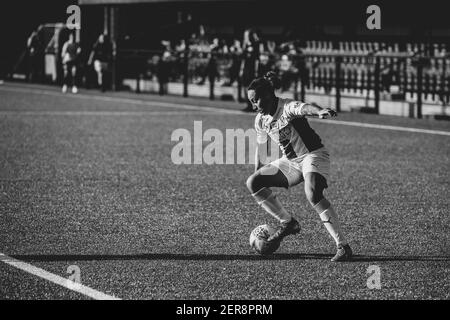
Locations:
259 184
277 174
105 73
69 76
74 77
98 70
65 77
315 183
315 170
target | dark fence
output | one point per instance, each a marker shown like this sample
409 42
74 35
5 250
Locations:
367 74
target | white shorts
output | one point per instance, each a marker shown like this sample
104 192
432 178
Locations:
100 66
296 169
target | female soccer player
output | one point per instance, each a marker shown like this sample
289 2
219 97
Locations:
304 159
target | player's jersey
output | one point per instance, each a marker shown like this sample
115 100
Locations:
289 128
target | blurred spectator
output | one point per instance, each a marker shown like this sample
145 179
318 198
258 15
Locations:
223 46
303 71
235 50
181 46
265 64
271 46
249 64
179 63
199 40
199 47
101 56
163 72
210 70
152 66
287 72
166 45
35 55
69 54
216 45
387 75
202 39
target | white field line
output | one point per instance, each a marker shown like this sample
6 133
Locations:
119 99
383 127
219 110
66 283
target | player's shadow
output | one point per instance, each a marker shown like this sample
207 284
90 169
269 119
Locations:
221 257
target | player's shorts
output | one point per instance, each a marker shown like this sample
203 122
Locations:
69 65
100 66
296 169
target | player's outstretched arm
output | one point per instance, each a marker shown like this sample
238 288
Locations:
313 109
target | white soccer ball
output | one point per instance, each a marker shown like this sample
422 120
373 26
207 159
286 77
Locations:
258 239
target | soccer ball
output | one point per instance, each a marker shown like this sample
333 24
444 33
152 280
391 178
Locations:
258 240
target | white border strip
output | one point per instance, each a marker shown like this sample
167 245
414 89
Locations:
66 283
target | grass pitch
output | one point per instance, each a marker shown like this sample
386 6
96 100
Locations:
88 180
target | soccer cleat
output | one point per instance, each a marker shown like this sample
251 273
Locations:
74 89
286 228
344 253
64 89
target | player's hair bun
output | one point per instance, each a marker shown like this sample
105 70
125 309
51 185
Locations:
273 79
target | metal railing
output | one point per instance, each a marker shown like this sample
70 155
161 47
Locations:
370 74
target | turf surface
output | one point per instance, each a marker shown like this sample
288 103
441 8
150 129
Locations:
90 181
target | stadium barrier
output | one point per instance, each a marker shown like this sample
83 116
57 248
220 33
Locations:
393 75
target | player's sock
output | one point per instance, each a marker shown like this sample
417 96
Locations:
269 202
330 220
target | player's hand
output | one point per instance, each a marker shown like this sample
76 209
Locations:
327 112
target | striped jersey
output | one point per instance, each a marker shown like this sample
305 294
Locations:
289 128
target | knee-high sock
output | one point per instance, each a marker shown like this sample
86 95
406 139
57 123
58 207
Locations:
269 202
330 220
